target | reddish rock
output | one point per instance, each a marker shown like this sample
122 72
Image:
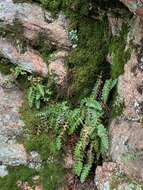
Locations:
35 22
133 169
57 68
125 136
135 6
104 175
115 24
29 61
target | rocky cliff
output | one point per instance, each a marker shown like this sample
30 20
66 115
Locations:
54 59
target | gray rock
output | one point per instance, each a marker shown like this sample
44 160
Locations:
11 126
13 154
34 160
34 21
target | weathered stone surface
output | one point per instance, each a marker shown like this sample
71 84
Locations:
126 133
115 24
10 100
131 83
13 154
134 170
111 176
126 136
28 61
35 21
104 175
57 67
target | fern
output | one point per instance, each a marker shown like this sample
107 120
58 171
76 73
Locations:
102 134
31 97
74 120
38 93
97 88
108 86
88 119
87 167
78 155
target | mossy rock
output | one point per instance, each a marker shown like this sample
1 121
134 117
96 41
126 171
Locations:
118 52
88 60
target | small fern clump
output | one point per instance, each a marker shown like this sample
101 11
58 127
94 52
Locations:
37 92
88 118
17 71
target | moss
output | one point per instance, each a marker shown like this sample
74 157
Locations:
39 139
5 66
131 156
44 47
87 61
50 176
16 173
119 55
117 105
72 8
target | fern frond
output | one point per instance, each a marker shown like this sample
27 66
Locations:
74 120
97 88
108 86
40 89
59 142
103 135
87 167
31 97
91 103
78 156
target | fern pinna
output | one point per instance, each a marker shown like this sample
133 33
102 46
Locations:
88 118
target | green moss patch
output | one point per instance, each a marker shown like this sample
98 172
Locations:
39 139
89 58
21 173
119 55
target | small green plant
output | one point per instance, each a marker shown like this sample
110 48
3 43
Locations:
88 119
17 71
38 92
73 37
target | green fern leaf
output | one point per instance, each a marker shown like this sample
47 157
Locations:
87 167
31 97
102 134
108 86
74 120
40 88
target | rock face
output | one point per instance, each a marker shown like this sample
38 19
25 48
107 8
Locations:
11 153
104 175
35 21
126 132
29 61
11 129
57 67
34 24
